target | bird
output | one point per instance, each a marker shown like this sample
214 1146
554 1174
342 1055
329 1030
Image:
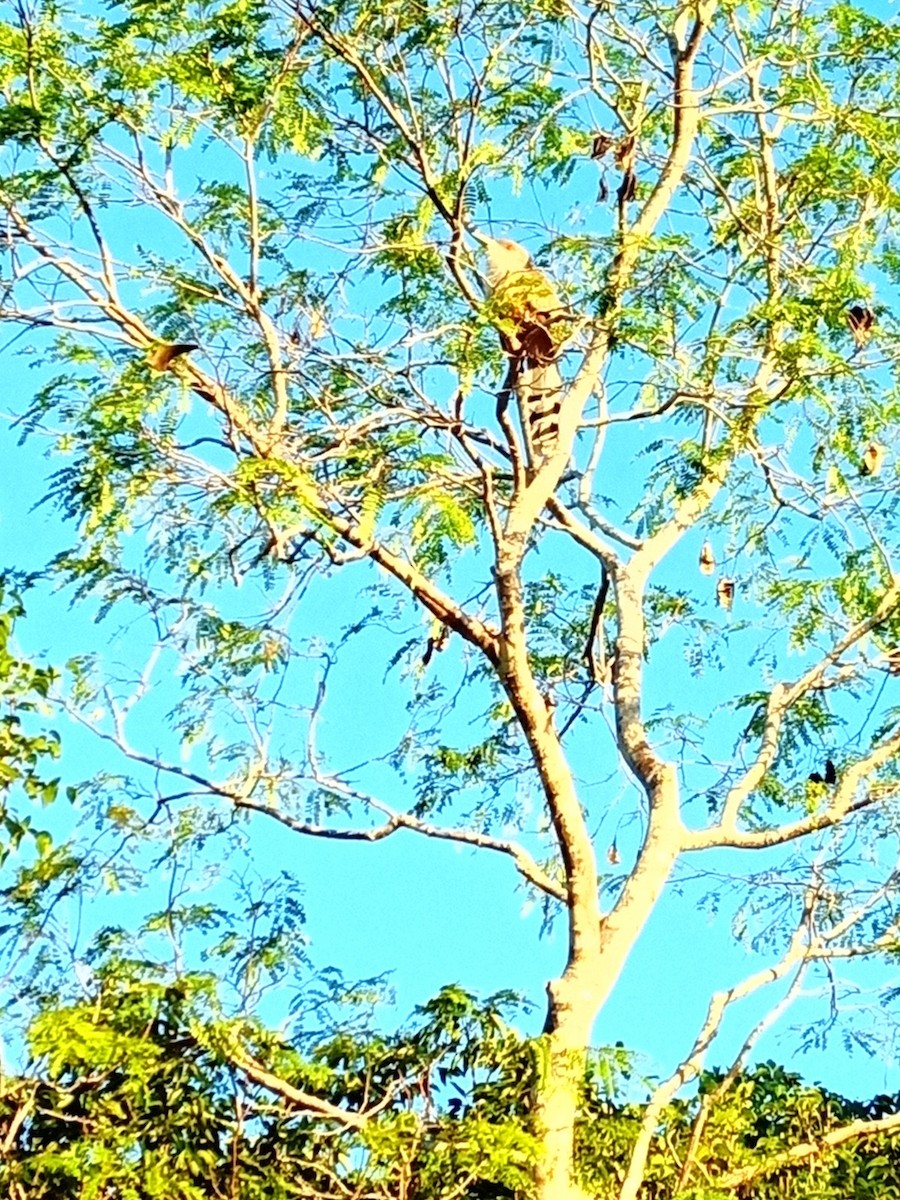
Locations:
829 777
161 357
531 318
437 641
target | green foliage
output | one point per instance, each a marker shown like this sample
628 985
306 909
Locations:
24 755
137 1087
133 1091
745 1127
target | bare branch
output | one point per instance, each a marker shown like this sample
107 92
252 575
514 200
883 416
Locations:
781 698
525 864
303 1101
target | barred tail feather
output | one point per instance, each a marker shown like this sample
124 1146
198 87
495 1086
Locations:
540 395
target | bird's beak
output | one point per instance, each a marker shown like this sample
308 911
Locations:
481 237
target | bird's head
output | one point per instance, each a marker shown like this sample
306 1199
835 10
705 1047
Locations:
504 257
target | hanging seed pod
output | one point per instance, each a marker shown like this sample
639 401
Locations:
625 155
613 857
725 593
602 144
318 326
707 559
872 459
861 321
627 189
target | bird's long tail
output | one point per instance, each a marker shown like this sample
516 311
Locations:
540 392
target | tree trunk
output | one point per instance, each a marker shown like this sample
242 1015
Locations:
562 1055
575 1001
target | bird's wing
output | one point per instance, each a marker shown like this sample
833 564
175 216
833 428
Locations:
525 294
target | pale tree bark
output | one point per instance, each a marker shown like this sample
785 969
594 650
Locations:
808 944
599 945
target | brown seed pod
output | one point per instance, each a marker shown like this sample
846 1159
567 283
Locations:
612 855
725 593
861 321
162 356
872 459
317 325
603 143
707 559
627 188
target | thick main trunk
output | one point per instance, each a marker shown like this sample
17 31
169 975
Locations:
575 1001
562 1055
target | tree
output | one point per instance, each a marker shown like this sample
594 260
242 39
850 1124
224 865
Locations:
142 1089
290 190
139 1090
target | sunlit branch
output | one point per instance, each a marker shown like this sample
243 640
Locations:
586 536
346 52
686 110
806 946
248 293
527 867
781 698
691 1065
598 441
803 1151
710 1099
304 1101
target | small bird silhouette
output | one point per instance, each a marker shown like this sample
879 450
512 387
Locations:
829 777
